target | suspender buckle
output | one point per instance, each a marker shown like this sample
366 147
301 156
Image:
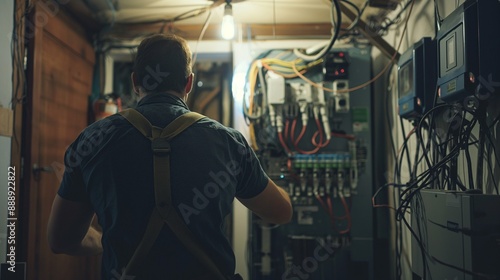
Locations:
160 146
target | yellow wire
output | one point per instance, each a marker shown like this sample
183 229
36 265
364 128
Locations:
252 78
253 140
296 71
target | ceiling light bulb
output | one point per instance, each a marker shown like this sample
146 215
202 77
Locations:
228 28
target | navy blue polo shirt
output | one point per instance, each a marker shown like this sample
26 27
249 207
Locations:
110 166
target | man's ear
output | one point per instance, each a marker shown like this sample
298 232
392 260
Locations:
133 77
189 84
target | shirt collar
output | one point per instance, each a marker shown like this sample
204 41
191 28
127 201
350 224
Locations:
153 98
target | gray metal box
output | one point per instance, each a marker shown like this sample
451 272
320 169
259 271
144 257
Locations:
458 229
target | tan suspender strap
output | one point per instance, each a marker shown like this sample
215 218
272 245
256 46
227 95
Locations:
139 122
164 210
153 229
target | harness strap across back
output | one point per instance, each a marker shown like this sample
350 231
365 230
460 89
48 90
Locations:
164 212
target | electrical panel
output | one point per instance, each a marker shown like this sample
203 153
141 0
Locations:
336 66
468 45
460 233
316 143
417 79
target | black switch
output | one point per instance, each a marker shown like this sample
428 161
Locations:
335 66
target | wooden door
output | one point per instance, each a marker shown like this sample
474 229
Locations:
61 61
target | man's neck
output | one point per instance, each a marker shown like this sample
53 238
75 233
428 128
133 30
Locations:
169 92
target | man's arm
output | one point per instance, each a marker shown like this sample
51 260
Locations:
272 204
69 230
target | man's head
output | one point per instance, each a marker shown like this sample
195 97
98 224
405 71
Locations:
163 64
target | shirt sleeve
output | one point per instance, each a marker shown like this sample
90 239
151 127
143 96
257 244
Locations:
72 185
252 180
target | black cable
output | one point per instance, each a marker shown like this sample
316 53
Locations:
454 136
436 149
464 144
408 160
399 245
324 51
496 120
469 166
406 198
422 181
468 272
398 237
462 140
364 7
420 125
404 148
430 114
417 202
489 137
425 176
480 158
399 229
388 97
492 174
436 11
397 18
356 20
416 162
421 246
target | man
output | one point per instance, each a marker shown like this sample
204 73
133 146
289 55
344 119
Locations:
109 172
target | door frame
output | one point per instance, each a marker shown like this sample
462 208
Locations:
30 149
29 153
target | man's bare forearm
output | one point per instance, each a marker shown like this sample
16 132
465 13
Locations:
90 245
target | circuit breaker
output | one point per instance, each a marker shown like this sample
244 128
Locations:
320 152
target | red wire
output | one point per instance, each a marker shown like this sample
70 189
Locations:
282 141
290 170
399 150
297 140
322 204
327 209
346 136
320 131
330 208
321 134
301 134
286 129
321 145
348 214
289 165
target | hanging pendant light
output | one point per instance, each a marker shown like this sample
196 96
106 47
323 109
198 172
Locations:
228 27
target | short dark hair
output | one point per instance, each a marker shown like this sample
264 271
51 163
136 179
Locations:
162 63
